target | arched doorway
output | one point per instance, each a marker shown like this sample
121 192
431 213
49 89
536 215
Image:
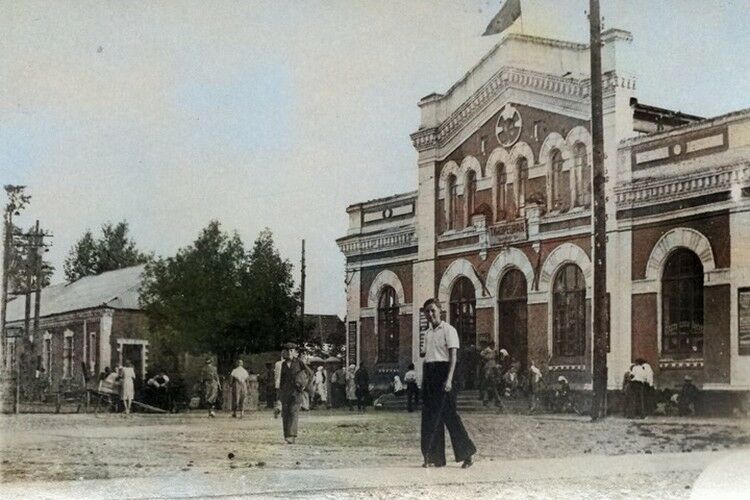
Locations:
463 306
388 328
682 305
463 317
512 314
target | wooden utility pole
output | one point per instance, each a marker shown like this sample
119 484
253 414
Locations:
302 293
601 327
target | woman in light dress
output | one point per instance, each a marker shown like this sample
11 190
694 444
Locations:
127 389
320 385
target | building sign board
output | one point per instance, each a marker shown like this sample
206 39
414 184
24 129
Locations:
351 343
743 309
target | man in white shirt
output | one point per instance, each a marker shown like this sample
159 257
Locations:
438 396
641 381
238 378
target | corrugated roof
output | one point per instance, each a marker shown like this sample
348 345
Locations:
116 289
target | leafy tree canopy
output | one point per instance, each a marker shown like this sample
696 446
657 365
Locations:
213 296
22 264
113 250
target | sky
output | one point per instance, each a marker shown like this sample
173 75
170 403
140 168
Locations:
280 114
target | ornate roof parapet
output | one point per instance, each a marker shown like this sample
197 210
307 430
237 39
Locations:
388 240
708 181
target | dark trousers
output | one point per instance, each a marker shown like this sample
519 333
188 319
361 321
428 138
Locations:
438 412
290 404
412 395
362 394
637 392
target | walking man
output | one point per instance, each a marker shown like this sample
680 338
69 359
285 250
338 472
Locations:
294 379
238 378
438 394
211 386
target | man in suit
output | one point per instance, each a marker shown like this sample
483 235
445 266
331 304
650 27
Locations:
293 380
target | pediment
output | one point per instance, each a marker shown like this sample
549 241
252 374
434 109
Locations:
511 86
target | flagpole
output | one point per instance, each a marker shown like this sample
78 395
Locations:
601 306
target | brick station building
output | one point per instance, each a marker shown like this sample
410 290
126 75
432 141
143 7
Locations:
95 320
500 226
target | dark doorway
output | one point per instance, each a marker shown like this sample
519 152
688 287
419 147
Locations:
512 313
463 311
463 306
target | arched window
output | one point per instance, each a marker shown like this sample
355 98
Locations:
569 312
511 306
463 307
471 195
682 304
451 202
388 333
522 168
556 163
500 179
582 174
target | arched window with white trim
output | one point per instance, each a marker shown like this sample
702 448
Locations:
500 180
471 195
522 169
451 202
388 328
569 312
582 173
682 304
556 165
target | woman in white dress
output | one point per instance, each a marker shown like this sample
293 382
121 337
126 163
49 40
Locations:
321 389
127 379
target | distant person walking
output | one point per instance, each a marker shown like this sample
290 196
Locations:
438 394
211 386
238 379
362 381
351 386
293 383
127 389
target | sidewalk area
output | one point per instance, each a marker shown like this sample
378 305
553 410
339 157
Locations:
314 483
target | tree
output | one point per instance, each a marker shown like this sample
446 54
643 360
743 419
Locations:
82 259
114 250
213 296
22 264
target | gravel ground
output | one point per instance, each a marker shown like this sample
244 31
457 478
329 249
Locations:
65 447
667 486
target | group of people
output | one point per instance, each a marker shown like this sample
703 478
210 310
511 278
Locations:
438 391
238 382
641 398
120 382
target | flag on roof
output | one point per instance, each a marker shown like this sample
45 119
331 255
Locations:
509 13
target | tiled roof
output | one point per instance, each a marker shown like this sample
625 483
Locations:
116 289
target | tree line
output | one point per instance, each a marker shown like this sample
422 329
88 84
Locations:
213 295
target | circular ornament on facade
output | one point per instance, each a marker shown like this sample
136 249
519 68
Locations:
387 213
676 149
508 128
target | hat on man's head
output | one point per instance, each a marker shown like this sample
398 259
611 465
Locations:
289 345
688 378
209 360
